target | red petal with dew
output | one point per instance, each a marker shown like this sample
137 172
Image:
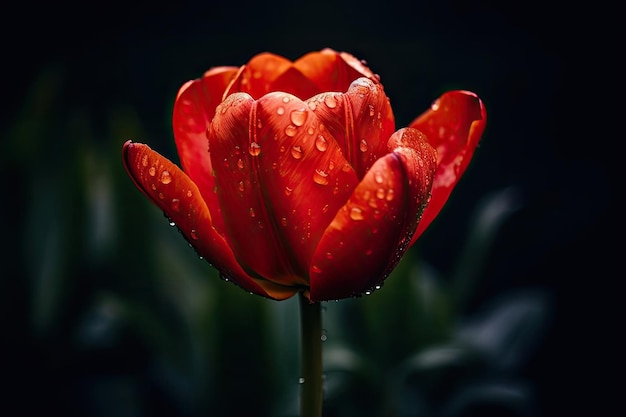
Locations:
453 125
170 189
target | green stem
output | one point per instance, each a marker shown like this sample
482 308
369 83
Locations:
311 358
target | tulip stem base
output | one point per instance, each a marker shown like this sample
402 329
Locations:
311 358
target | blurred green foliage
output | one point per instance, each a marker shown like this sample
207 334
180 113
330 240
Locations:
114 315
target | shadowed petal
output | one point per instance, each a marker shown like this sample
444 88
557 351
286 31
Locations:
193 110
453 125
170 189
372 231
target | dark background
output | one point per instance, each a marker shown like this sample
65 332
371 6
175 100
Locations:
544 71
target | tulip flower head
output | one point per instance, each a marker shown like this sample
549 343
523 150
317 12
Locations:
294 177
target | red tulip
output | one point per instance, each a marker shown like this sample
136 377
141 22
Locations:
294 178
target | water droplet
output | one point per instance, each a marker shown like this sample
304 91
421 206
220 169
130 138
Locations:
166 178
280 111
241 186
288 191
378 177
325 208
301 381
226 163
152 171
296 152
321 143
320 177
312 105
363 145
285 99
346 167
380 193
298 117
254 149
189 193
252 213
310 130
316 269
323 337
175 204
435 105
144 160
372 111
237 150
329 255
240 164
330 101
172 223
153 186
389 194
283 222
161 196
290 131
336 190
356 213
194 234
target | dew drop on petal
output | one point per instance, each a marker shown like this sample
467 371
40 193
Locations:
290 131
316 269
241 186
312 105
298 117
166 178
288 191
321 143
194 234
189 193
371 110
280 111
380 193
320 177
330 101
153 186
285 99
435 105
152 171
254 149
378 177
240 164
237 150
226 163
296 152
389 194
356 213
283 222
144 160
161 196
363 145
325 208
252 213
310 130
175 204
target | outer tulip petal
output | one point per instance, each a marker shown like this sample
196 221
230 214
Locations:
454 124
331 70
169 188
193 110
371 232
361 120
267 72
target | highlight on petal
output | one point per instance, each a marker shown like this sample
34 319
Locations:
372 231
361 120
267 72
331 70
193 110
170 189
453 125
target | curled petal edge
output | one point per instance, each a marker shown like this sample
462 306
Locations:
170 189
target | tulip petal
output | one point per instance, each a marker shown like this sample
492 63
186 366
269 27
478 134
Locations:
454 124
372 231
331 70
170 189
268 72
193 110
361 120
282 176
